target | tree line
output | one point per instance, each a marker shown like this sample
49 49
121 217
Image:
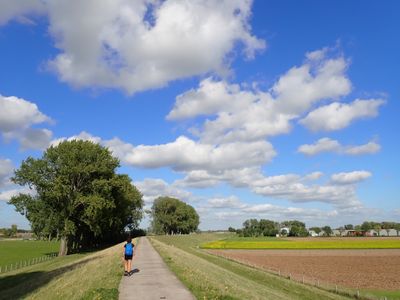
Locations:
263 227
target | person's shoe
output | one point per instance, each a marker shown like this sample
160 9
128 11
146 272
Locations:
126 273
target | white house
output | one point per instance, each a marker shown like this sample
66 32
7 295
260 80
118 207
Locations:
388 232
312 233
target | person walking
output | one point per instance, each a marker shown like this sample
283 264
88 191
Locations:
129 248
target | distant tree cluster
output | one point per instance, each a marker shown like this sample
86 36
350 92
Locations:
297 228
377 226
263 227
77 195
254 228
172 216
9 232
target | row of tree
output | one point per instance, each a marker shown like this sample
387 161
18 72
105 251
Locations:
364 227
263 227
9 232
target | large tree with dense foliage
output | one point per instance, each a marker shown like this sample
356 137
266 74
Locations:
172 216
77 195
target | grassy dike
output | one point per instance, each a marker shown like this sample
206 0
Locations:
79 276
212 277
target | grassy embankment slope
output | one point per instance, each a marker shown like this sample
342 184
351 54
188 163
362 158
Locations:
15 251
212 277
277 243
78 276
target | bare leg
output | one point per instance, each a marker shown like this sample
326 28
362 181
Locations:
126 262
129 265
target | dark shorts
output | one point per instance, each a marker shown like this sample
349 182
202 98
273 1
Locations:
128 257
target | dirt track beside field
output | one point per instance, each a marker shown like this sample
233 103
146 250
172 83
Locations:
371 269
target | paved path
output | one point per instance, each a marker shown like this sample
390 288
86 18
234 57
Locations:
154 280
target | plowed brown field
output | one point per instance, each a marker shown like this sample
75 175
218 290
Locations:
370 269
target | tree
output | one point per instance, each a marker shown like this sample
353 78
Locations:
397 228
231 229
14 230
77 195
317 230
349 227
170 215
297 228
251 228
268 227
366 226
328 230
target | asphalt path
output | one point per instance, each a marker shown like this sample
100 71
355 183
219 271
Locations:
151 278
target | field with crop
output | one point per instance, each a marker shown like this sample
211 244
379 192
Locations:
304 243
376 269
212 277
15 251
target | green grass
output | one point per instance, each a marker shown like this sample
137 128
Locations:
79 276
212 277
388 294
276 243
15 251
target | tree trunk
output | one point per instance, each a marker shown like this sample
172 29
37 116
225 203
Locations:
63 246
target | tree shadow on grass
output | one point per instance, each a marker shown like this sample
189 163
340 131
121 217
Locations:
19 285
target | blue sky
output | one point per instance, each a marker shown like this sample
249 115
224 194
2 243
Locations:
264 109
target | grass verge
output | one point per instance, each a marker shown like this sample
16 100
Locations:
212 277
79 276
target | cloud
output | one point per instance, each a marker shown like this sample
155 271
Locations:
322 145
16 118
145 44
330 145
238 113
185 154
350 177
319 78
17 113
154 188
274 212
6 170
369 148
337 116
84 136
11 9
8 194
228 202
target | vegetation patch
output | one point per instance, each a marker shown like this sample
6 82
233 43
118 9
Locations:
17 251
78 276
260 243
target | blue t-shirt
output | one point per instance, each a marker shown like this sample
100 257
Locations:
128 249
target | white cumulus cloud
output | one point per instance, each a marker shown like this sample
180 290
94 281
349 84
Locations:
337 116
17 115
330 145
144 44
6 170
12 9
350 177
